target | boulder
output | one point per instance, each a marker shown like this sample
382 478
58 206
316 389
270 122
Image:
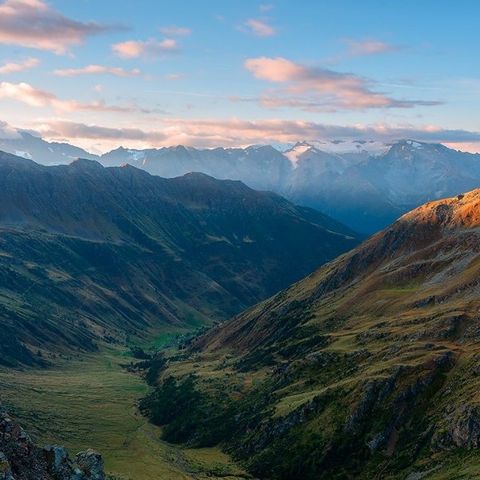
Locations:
21 459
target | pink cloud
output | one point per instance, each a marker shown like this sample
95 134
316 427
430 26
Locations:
320 88
12 67
97 70
148 48
259 28
72 130
209 133
34 24
29 95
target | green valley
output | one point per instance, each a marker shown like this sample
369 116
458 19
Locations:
90 401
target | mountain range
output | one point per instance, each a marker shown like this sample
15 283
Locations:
366 187
89 253
367 368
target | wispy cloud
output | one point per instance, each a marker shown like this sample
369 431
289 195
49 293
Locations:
147 48
7 131
369 47
235 132
34 24
73 130
266 7
317 88
259 28
15 67
175 31
175 76
97 70
29 95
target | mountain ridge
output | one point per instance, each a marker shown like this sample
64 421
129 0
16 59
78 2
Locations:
366 187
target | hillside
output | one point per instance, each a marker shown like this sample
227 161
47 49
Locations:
368 368
89 253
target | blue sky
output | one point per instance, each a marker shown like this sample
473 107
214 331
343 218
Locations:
103 73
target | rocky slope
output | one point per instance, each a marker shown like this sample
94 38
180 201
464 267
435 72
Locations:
90 253
368 368
21 459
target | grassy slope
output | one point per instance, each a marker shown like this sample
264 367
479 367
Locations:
385 340
89 402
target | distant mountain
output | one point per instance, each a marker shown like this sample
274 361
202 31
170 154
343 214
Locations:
362 190
35 148
89 253
368 368
365 185
260 167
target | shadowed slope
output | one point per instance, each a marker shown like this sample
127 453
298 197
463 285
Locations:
89 252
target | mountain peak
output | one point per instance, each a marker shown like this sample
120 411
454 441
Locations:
412 145
462 211
294 153
302 144
85 164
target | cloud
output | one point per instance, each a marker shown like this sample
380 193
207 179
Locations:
148 48
97 70
26 64
259 28
8 132
235 132
175 76
29 95
175 31
73 130
369 47
320 89
265 7
34 24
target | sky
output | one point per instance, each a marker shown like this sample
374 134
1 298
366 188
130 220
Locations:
207 73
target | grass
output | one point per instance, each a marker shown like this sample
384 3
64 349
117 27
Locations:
89 402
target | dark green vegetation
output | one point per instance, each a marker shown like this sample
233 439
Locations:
92 254
369 368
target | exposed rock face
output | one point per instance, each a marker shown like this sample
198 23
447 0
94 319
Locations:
21 459
463 430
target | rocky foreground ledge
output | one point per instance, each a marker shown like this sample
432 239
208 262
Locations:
21 459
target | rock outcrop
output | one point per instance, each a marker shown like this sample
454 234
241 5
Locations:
21 459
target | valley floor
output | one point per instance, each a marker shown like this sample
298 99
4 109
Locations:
89 402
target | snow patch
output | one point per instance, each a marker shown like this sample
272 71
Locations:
136 155
20 153
414 144
296 152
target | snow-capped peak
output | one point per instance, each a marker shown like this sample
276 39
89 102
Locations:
294 153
